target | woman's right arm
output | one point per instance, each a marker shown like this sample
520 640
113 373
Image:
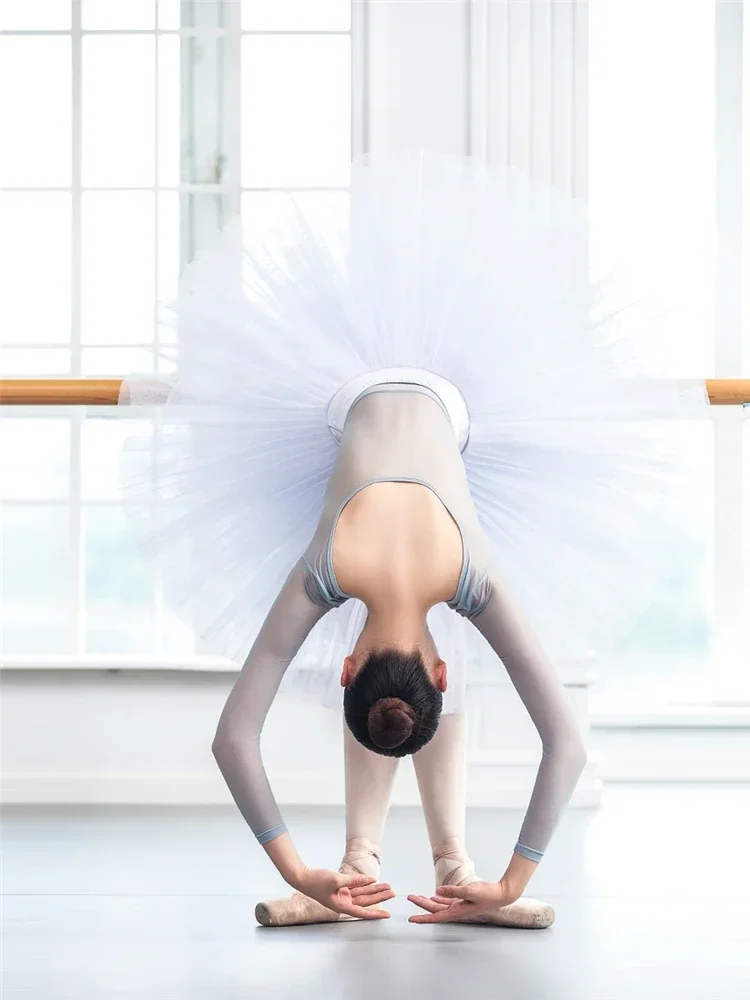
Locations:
236 745
236 748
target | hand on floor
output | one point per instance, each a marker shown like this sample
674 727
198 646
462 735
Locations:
353 895
461 902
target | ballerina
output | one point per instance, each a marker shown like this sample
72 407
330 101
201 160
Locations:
406 449
399 532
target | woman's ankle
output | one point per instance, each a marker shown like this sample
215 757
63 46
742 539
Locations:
362 845
452 848
362 855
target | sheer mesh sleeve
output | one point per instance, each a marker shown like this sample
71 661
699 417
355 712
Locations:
542 692
237 742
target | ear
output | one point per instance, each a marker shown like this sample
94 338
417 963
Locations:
440 676
347 674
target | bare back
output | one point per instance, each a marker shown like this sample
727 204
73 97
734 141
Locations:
397 538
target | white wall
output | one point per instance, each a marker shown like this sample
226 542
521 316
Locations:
503 80
145 736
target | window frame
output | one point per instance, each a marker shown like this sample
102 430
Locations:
729 680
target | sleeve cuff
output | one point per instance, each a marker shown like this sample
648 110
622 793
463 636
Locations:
528 852
275 831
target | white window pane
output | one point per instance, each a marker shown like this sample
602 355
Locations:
119 601
651 166
35 279
35 458
39 15
119 107
296 15
745 684
746 196
296 98
102 444
116 361
169 110
666 657
35 612
169 15
118 279
103 15
34 361
35 124
168 265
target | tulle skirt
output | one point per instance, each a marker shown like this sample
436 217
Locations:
577 457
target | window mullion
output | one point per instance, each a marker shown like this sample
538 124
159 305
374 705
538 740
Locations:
729 550
157 200
232 109
76 418
76 185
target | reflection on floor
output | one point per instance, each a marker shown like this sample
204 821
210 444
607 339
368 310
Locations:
651 893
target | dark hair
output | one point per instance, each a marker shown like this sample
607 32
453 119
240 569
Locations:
392 706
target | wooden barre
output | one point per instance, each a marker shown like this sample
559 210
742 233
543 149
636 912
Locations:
59 391
106 391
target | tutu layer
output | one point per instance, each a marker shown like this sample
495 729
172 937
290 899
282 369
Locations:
574 461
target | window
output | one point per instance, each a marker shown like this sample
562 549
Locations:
156 122
665 175
136 129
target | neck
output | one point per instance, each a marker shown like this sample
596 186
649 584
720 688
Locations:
400 627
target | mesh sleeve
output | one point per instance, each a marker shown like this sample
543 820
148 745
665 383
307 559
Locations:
543 695
237 743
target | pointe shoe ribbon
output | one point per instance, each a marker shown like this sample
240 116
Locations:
361 858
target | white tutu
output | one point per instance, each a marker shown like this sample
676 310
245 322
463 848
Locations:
436 263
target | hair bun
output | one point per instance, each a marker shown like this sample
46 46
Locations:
390 722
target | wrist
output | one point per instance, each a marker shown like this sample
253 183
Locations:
518 874
288 863
298 876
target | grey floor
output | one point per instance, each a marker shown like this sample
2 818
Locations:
651 893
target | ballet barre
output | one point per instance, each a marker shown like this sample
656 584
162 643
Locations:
106 391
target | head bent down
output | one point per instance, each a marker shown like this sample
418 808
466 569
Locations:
392 701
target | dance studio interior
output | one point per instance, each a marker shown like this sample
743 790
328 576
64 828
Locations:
479 269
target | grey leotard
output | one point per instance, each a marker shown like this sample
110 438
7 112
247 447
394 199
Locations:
399 437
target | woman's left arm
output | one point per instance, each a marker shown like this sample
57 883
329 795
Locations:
563 751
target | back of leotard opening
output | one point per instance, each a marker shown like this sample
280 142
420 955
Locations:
399 433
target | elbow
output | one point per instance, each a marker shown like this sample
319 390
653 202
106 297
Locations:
225 746
570 752
580 756
576 753
231 745
219 747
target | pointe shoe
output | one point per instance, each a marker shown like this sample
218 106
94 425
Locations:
525 913
298 909
293 911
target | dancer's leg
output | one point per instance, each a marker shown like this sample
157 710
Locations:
369 779
440 768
